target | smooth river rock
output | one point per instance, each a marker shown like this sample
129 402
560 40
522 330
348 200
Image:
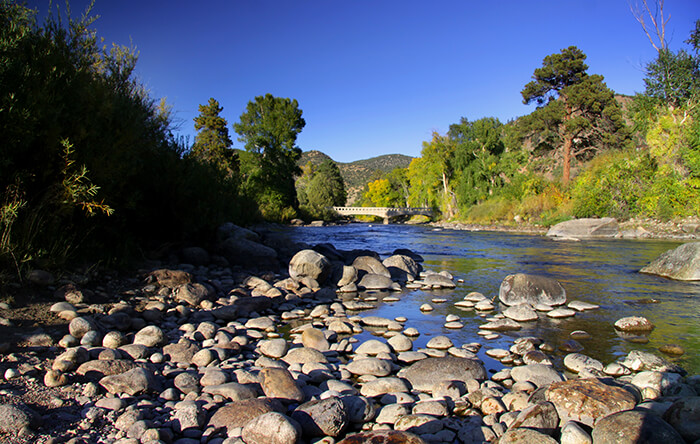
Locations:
585 228
634 427
682 263
588 400
531 289
425 374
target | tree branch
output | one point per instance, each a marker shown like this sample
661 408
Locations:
657 20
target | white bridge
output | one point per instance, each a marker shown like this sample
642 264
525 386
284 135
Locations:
384 212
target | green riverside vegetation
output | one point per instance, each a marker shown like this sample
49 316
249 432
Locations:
90 168
583 152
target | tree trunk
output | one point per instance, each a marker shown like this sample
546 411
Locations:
566 173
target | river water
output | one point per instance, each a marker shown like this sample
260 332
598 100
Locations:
602 272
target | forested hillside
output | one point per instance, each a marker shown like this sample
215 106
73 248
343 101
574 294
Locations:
358 173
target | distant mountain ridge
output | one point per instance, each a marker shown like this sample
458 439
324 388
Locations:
356 174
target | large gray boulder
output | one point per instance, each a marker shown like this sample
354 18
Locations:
682 263
633 426
585 228
427 373
402 268
241 246
309 263
531 289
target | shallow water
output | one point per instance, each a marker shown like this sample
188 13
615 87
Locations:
603 272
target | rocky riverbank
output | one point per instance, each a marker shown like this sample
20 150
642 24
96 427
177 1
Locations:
255 343
686 229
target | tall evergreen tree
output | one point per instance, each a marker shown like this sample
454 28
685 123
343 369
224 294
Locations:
576 113
212 144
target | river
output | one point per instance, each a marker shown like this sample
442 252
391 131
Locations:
602 272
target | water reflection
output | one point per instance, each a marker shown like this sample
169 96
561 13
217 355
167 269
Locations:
603 272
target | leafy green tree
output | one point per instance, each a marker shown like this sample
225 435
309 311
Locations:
576 113
673 78
320 188
478 147
398 178
425 180
269 128
380 194
437 161
212 144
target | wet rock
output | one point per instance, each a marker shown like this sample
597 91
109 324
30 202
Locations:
585 228
659 381
682 263
439 281
425 374
521 313
588 400
272 428
375 282
634 324
684 416
576 362
41 278
634 427
561 312
309 263
672 349
531 289
324 417
638 360
402 268
501 325
383 437
440 343
370 265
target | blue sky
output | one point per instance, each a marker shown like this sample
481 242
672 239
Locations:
373 76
